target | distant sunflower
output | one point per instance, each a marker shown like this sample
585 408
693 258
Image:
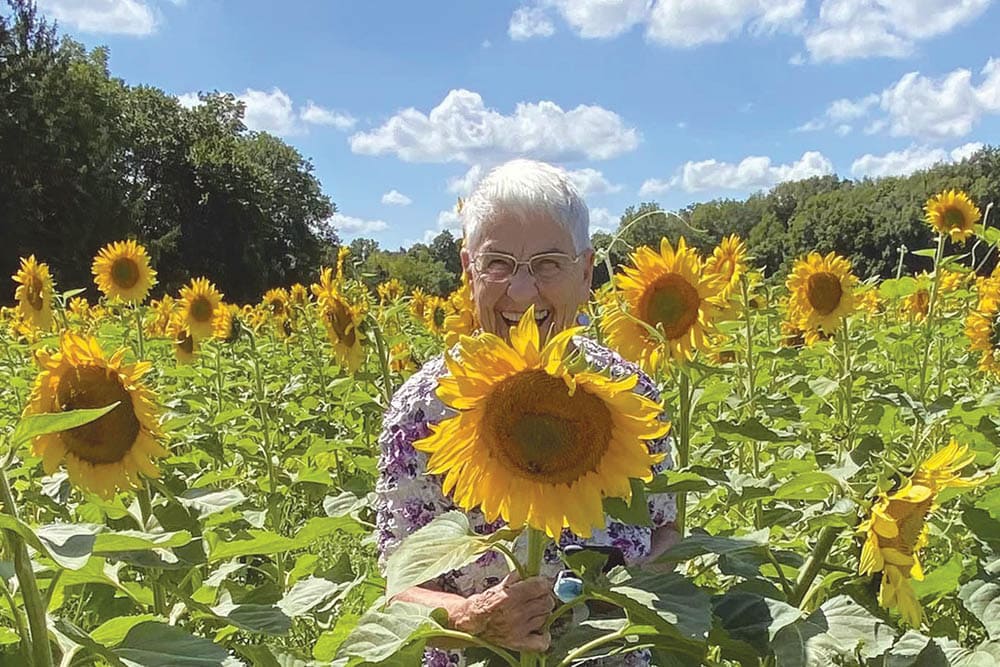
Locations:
389 291
328 284
461 317
79 307
34 294
183 343
277 302
896 529
668 291
109 453
163 311
729 261
198 304
418 302
400 359
341 319
917 304
952 213
121 270
821 291
982 326
298 294
224 326
530 433
435 314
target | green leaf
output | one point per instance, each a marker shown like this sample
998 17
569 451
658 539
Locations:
750 429
633 513
380 635
154 644
34 425
679 481
206 502
840 628
807 486
134 540
68 544
990 501
326 646
699 544
251 543
8 636
310 593
897 287
915 650
446 543
112 633
940 581
753 618
982 599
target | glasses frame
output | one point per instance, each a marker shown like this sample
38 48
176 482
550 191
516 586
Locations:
518 263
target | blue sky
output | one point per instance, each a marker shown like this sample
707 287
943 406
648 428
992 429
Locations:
401 105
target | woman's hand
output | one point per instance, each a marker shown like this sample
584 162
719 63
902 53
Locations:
510 614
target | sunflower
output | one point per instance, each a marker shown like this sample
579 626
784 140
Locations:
198 304
729 261
461 317
185 345
328 284
435 313
163 311
109 453
418 302
121 270
298 294
916 305
896 530
277 302
389 291
821 291
79 307
953 213
400 359
668 291
341 320
530 434
224 325
870 302
34 294
343 253
982 327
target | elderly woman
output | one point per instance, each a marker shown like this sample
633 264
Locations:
527 243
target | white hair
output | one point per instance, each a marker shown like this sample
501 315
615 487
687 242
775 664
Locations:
523 189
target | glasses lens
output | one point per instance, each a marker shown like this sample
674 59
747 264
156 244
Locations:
547 267
496 267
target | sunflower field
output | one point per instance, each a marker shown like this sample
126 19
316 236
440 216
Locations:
190 482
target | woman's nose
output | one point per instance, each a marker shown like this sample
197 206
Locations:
521 286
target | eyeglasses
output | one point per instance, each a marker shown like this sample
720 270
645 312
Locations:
498 267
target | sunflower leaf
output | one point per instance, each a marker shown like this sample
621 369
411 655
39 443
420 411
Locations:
839 628
32 426
446 543
380 635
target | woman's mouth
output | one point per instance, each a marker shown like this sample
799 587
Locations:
512 317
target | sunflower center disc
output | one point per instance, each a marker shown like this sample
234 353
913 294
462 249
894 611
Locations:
186 343
673 303
104 440
201 309
340 321
953 219
125 273
35 296
438 315
824 292
537 430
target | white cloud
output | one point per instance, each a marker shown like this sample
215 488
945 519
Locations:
464 184
351 226
189 100
751 173
601 19
909 160
849 29
396 198
528 22
462 129
687 23
316 115
123 17
839 113
601 220
447 220
591 182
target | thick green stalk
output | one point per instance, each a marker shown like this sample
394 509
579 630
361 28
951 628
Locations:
929 322
827 536
536 550
383 360
683 441
41 651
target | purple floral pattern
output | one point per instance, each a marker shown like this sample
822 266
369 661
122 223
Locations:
408 498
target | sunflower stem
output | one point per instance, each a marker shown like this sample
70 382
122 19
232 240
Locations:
683 441
41 651
145 498
536 550
929 322
15 612
140 343
383 360
583 650
758 512
827 536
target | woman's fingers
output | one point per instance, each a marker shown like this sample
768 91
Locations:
532 641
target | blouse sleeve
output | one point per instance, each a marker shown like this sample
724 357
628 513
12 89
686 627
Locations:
407 498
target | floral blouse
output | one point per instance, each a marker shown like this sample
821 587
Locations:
408 498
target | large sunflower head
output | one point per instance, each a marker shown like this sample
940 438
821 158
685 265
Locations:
667 291
896 529
530 433
729 261
121 270
342 320
821 291
109 453
34 294
952 213
277 302
198 305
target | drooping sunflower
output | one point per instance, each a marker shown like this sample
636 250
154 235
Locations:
185 345
342 319
277 302
729 261
109 453
821 291
669 291
121 270
917 304
896 530
982 327
952 213
79 308
533 442
34 294
198 304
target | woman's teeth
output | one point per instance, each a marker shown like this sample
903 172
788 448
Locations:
512 318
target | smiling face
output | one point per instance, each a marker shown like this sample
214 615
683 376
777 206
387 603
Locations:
556 301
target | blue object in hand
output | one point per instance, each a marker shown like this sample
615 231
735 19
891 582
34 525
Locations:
568 586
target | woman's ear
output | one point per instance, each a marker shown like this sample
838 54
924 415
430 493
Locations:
588 268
